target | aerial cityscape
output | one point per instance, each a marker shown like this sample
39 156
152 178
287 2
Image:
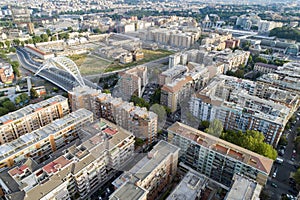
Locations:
149 100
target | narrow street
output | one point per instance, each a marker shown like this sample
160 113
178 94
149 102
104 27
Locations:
283 170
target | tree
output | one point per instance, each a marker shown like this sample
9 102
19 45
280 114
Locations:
12 49
7 43
44 37
215 128
3 111
22 99
33 93
251 140
48 32
10 106
16 42
296 176
282 141
106 91
15 65
261 60
1 44
53 38
203 125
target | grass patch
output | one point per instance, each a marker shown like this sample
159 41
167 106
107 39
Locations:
88 64
149 55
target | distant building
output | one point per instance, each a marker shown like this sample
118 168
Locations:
265 68
150 175
39 53
32 117
6 73
243 188
265 26
126 58
30 28
216 158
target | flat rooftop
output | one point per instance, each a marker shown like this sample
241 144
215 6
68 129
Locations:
244 188
250 158
29 139
129 191
155 157
23 112
189 187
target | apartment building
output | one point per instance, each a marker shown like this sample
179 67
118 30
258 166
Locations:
216 158
243 187
141 122
32 117
83 97
151 174
40 143
79 171
286 77
221 41
174 93
265 68
171 74
132 82
235 103
190 187
265 26
173 36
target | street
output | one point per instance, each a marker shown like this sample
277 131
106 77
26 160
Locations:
284 170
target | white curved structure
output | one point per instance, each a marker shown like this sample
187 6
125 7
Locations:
65 63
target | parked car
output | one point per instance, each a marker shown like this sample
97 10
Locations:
274 185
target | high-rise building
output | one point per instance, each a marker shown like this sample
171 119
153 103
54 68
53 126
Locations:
32 117
151 174
82 168
83 97
131 82
39 144
174 93
216 158
139 121
238 105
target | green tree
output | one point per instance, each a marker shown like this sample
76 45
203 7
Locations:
261 60
3 111
106 91
48 32
53 38
296 176
22 99
203 125
16 42
10 106
44 37
12 49
1 44
215 128
15 65
282 141
252 140
7 43
33 93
